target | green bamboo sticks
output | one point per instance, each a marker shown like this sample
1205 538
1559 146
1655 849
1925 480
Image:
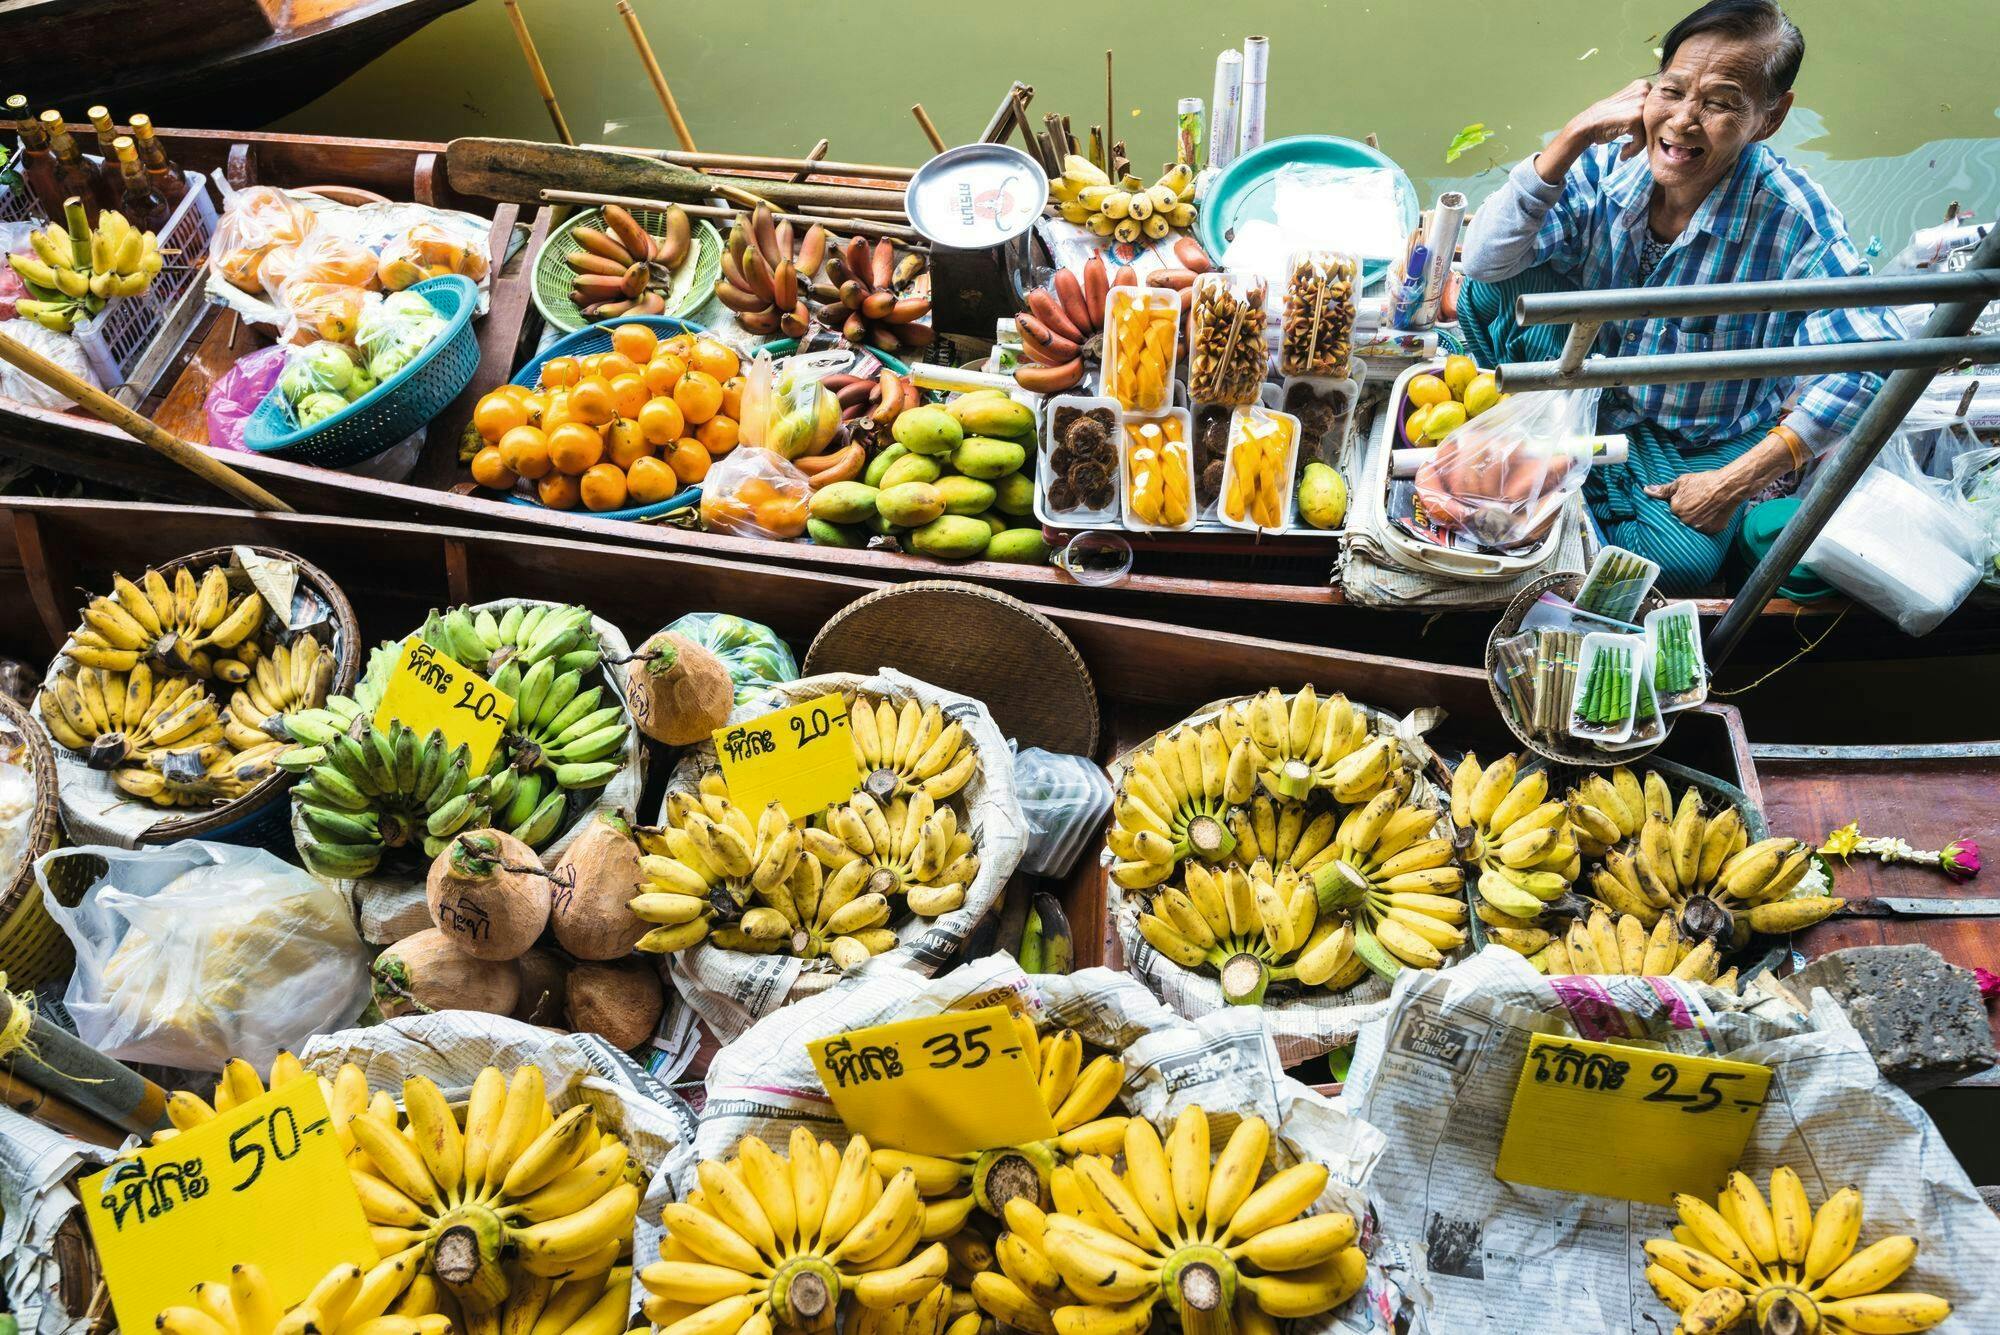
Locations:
1676 671
1604 702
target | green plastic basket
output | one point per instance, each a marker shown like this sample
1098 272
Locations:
694 280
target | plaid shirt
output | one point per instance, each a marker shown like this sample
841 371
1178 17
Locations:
1767 220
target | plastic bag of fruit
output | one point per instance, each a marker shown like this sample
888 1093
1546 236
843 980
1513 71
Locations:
754 493
752 652
1504 475
395 330
429 249
322 257
256 222
785 407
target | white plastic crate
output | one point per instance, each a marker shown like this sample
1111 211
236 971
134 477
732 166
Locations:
117 337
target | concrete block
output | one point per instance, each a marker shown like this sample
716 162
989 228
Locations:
1921 1016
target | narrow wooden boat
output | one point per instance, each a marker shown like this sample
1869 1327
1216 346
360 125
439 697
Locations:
1280 592
217 62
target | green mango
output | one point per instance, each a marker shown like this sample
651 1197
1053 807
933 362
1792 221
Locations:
1023 546
880 464
912 468
909 504
836 535
981 457
952 538
965 495
1014 494
843 502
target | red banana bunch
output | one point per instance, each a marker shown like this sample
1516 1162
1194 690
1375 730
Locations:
762 273
867 297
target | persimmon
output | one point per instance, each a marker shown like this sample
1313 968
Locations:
490 470
663 372
782 515
611 365
629 395
574 447
497 414
699 395
525 450
717 434
602 487
560 372
732 398
680 345
635 342
558 491
651 479
712 358
624 443
660 421
689 460
591 402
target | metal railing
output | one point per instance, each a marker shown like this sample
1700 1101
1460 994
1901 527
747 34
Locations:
1911 364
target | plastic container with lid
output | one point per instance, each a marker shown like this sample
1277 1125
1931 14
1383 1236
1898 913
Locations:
1157 432
1142 331
1250 429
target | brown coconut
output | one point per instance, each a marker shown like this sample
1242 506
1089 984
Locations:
488 893
426 972
596 879
620 1001
544 988
678 691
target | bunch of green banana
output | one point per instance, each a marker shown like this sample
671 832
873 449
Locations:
524 635
1076 1095
292 677
902 753
1172 804
186 626
1608 943
1520 844
561 736
1252 927
1202 1240
1126 209
1396 884
1303 744
368 792
76 269
912 848
1776 1263
119 718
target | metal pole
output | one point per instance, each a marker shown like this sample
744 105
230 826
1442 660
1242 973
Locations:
1888 354
1844 466
1576 347
1784 294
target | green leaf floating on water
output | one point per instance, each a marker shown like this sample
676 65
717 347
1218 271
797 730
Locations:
1472 136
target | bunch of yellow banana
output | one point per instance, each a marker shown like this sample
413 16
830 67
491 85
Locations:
291 677
1302 744
1252 927
76 269
115 718
382 1300
1518 842
240 1083
775 1242
591 1305
1203 1240
1395 882
911 847
1606 944
945 1310
200 776
186 626
1126 209
915 750
1606 811
1076 1096
1172 804
1784 1267
710 859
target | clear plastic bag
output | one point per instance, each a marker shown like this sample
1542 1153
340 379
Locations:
323 257
754 493
1503 476
237 392
1901 542
1227 354
429 249
395 330
315 310
785 407
1063 798
61 349
194 953
1316 335
1976 475
257 221
753 653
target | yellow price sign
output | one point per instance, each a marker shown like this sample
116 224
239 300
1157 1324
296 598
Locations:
943 1084
1637 1124
265 1183
427 690
801 757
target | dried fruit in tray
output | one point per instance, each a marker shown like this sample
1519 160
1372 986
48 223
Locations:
1159 469
1142 342
1084 461
1318 328
1227 355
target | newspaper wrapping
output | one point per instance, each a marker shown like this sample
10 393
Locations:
392 907
1437 1075
36 1168
764 1084
731 990
1304 1024
451 1047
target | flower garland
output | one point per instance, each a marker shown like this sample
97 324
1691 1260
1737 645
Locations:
1958 859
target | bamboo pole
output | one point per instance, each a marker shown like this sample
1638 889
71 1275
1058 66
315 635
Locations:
653 72
761 163
60 1114
541 76
930 130
839 221
1110 117
61 1065
813 155
99 404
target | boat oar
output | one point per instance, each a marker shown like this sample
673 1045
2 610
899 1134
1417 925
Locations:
837 222
541 76
653 72
518 170
147 432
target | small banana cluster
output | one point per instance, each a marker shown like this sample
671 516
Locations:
1172 804
561 737
1126 209
76 269
1304 744
292 677
707 864
902 753
1606 944
524 634
1519 844
367 792
791 1242
1202 1240
1076 1095
1397 885
911 847
381 1300
1251 927
192 625
1776 1264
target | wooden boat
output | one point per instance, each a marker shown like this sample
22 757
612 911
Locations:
217 62
1254 592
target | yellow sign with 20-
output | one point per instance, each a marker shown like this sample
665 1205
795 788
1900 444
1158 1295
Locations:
801 757
428 690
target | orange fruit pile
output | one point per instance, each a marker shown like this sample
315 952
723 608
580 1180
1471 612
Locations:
614 429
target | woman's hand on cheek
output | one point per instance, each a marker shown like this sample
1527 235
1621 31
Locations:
1617 115
1702 501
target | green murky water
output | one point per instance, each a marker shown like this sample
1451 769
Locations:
1898 110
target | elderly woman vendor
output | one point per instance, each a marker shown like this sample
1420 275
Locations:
1669 181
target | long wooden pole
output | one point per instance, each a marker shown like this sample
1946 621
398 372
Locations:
762 163
813 155
541 76
930 130
659 78
838 221
149 433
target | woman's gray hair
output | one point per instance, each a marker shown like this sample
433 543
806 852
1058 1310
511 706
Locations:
1759 21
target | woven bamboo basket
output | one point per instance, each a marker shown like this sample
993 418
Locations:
33 949
1566 750
260 817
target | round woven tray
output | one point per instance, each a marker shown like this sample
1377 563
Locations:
33 949
259 816
1567 750
969 639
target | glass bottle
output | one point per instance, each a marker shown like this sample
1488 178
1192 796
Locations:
99 145
38 162
168 178
139 199
73 175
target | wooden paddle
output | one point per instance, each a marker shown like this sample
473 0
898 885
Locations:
147 432
518 170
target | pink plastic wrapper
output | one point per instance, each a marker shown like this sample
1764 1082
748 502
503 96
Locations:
236 394
12 289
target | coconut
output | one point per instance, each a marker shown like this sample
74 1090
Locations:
488 893
620 1002
426 972
544 988
596 879
678 691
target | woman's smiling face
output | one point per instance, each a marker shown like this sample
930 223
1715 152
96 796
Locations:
1705 108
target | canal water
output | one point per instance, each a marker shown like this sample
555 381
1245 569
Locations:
1898 111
